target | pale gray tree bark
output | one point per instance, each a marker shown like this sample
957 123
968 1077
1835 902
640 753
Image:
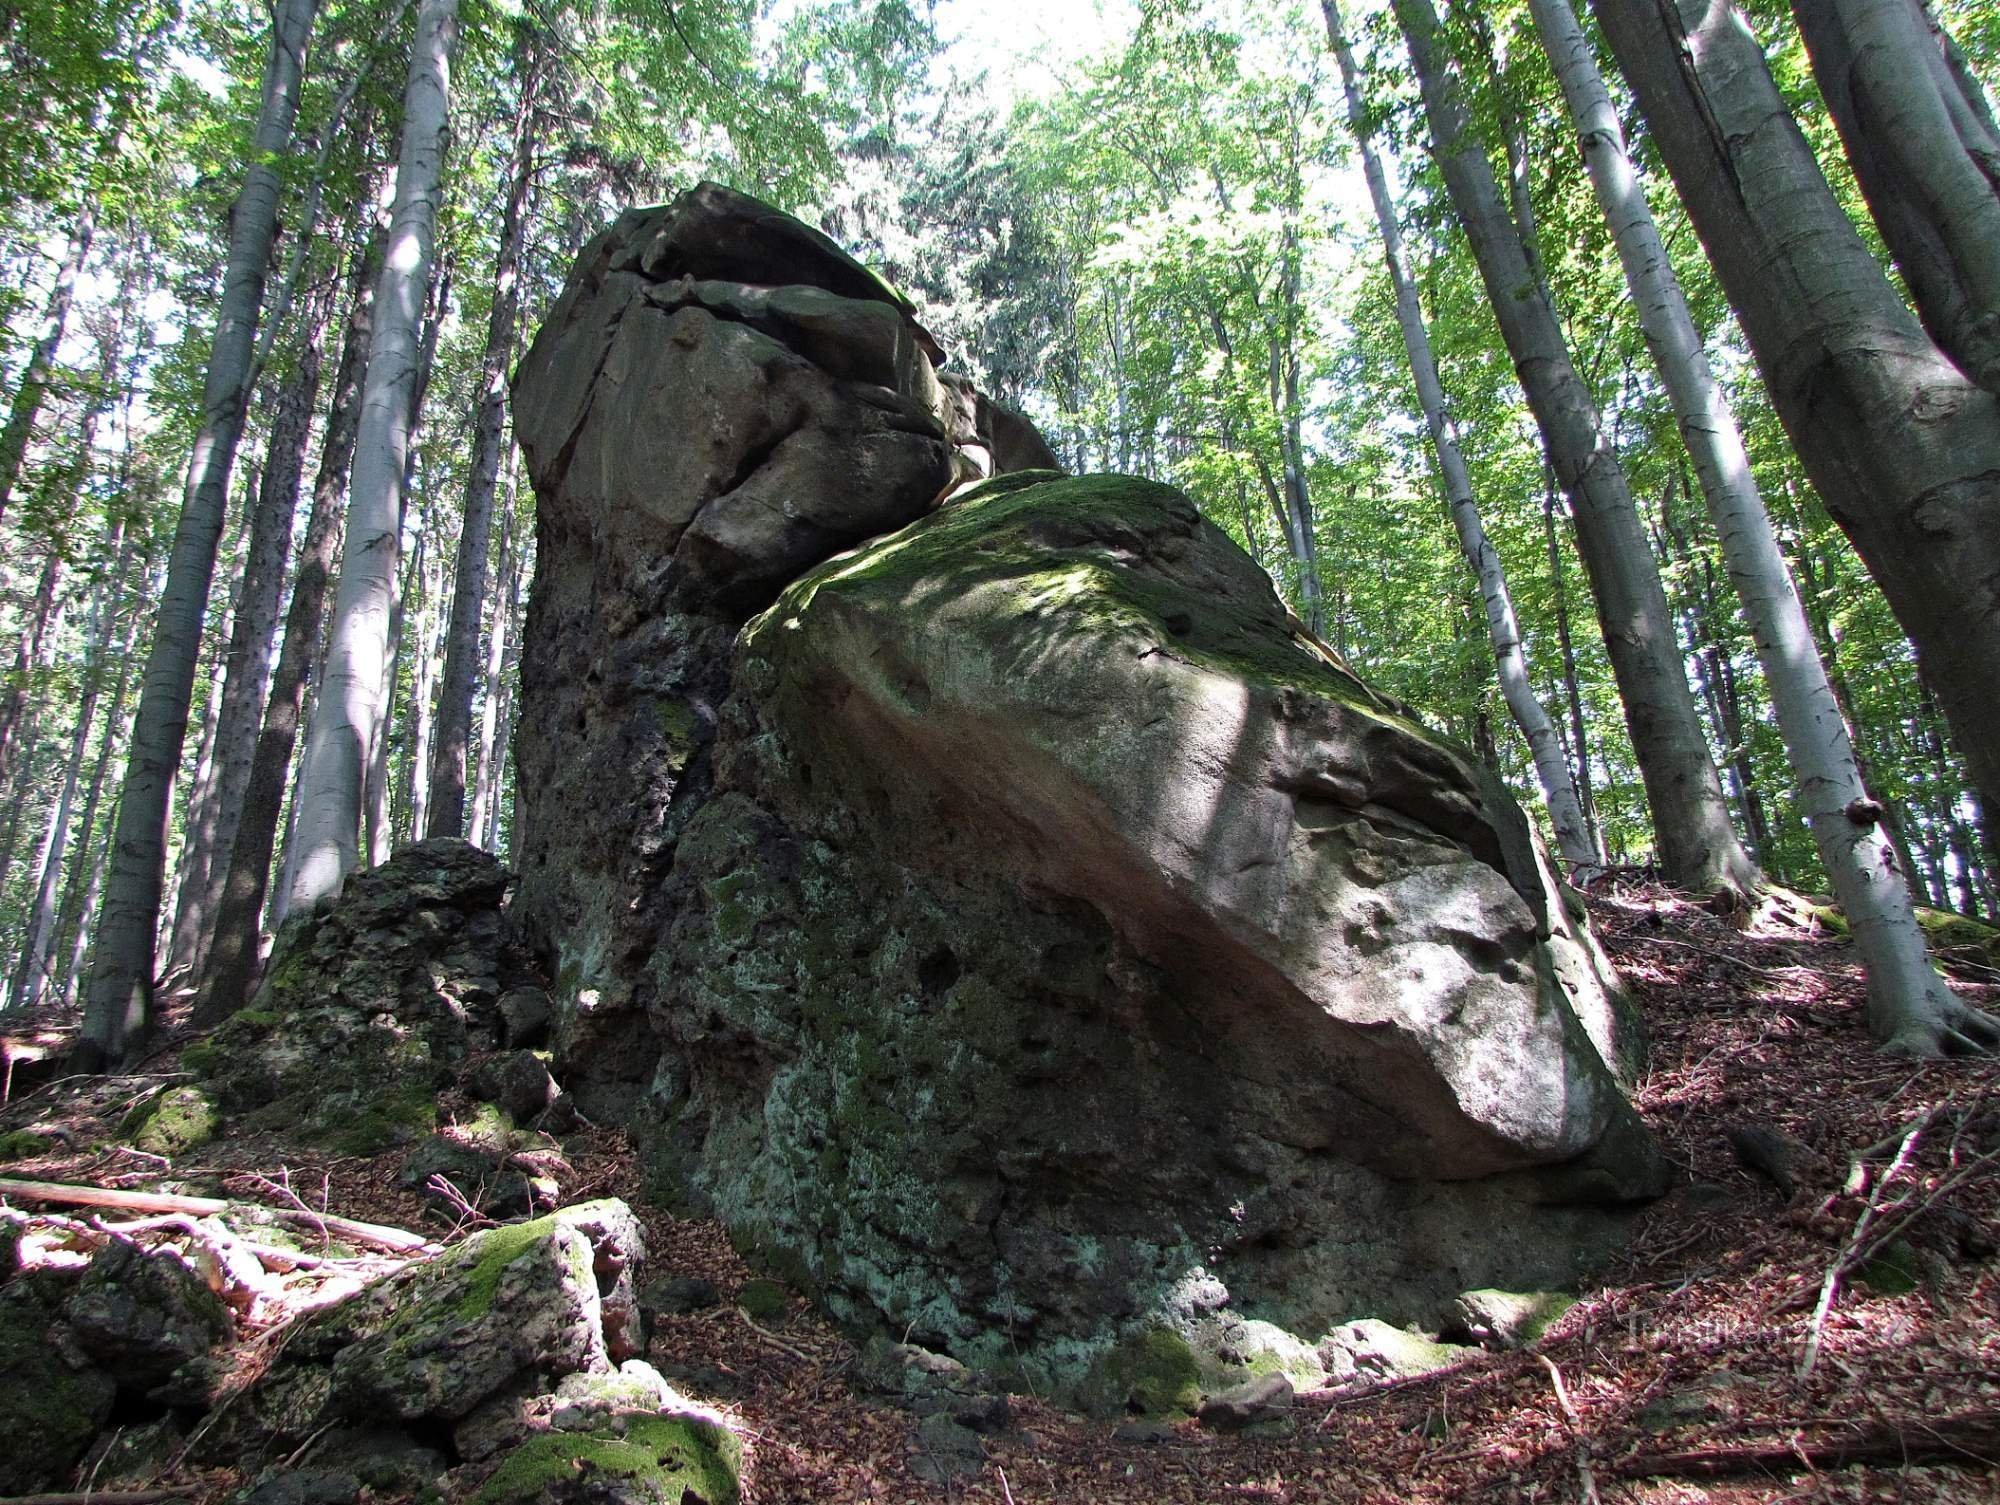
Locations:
34 384
1697 846
232 957
450 732
1903 447
1909 1005
118 1007
1927 159
248 680
353 693
1503 628
485 786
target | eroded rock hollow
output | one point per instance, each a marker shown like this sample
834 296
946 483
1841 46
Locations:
985 898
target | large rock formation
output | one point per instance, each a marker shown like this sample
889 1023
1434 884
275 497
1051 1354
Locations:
1020 931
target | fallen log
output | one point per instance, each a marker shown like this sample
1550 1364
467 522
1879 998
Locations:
1969 1437
381 1236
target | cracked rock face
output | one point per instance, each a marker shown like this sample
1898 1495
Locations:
1019 931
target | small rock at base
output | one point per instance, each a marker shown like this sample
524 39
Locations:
1260 1400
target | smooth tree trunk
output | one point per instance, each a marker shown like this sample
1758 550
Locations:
1910 1007
118 1007
411 804
1572 690
30 657
1927 160
233 955
1698 847
486 786
452 728
34 383
353 695
1901 445
1503 628
250 645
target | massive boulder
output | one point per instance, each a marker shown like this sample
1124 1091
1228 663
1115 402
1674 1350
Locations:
1019 931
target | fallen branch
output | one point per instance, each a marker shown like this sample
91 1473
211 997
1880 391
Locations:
1585 1476
1780 974
102 1497
402 1241
1850 1251
1971 1437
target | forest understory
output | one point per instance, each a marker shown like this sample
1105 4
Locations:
1709 1364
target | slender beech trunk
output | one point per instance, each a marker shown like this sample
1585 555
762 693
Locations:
1910 1007
249 677
34 384
452 728
1901 445
30 655
410 807
232 957
118 1008
1503 628
1698 847
496 658
354 694
72 930
198 818
1572 689
1927 160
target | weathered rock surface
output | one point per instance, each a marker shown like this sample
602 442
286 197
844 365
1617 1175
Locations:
720 399
518 1347
372 1003
79 1337
1020 932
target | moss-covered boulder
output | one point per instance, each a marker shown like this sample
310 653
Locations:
370 1004
462 1341
1065 926
171 1122
53 1399
1022 926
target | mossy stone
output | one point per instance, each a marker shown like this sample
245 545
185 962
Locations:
172 1122
21 1144
764 1300
1153 1371
49 1412
1894 1271
664 1458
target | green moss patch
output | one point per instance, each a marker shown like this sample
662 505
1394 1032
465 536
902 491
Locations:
171 1122
764 1300
1153 1371
672 1456
21 1144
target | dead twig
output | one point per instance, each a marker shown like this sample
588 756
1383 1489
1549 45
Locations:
1586 1477
1970 1437
398 1239
1830 1285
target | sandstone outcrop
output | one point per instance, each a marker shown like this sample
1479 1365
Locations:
1015 929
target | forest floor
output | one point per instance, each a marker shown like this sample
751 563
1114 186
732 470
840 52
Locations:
1681 1376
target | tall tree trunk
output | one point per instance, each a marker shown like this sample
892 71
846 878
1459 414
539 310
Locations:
1572 689
354 691
1901 445
1698 847
451 732
30 655
411 806
485 785
1927 161
249 676
198 818
232 957
452 728
34 385
1910 1007
118 1008
1503 628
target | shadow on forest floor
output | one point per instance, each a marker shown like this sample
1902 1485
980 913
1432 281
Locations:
1674 1380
